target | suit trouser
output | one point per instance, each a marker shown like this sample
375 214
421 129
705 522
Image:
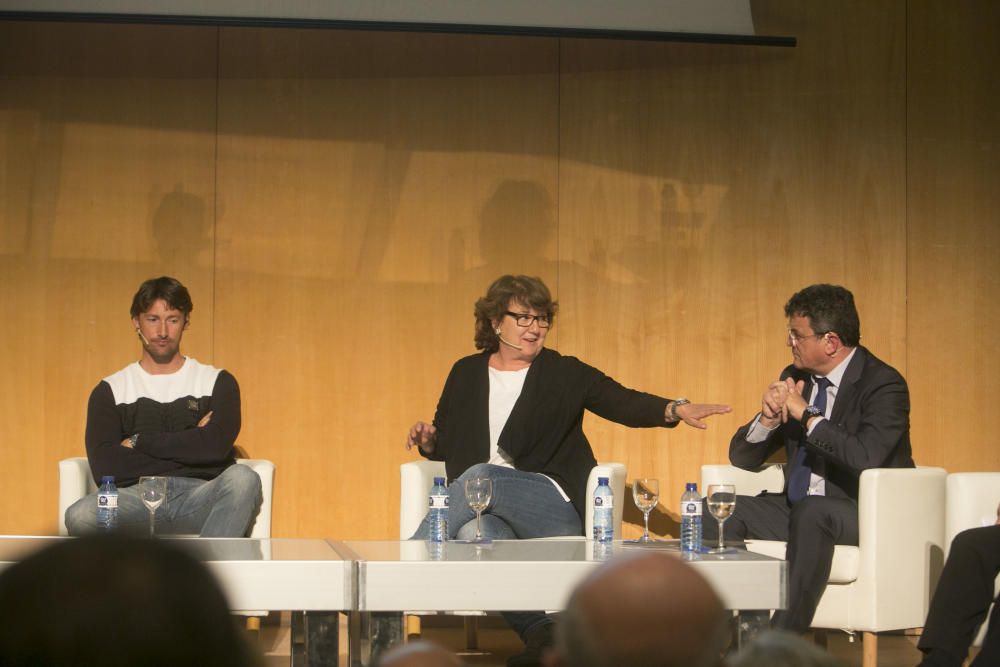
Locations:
962 600
811 528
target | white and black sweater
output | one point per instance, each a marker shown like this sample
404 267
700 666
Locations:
164 411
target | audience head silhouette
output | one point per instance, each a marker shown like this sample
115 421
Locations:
780 648
646 610
113 601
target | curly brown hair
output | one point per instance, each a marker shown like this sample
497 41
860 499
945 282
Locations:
525 290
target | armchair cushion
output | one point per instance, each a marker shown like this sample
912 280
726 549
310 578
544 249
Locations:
75 482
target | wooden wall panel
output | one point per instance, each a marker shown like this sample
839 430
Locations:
700 187
106 169
337 200
370 187
953 167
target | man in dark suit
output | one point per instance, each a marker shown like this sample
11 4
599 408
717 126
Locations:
837 410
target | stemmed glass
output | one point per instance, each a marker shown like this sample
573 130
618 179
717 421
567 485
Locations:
721 503
645 493
153 491
478 492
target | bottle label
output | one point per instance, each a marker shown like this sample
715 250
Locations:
107 501
691 508
604 502
439 502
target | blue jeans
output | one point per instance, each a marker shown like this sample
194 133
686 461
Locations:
524 505
223 507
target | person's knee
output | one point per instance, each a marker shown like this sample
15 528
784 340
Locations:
81 517
244 481
467 531
496 528
477 470
811 514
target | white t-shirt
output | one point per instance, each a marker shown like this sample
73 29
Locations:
505 388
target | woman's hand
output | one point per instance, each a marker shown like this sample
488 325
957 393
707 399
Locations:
423 436
692 414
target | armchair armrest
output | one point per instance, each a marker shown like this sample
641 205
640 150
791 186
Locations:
265 470
901 545
75 482
615 472
748 482
415 481
972 502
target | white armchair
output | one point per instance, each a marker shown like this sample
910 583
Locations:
75 482
972 502
417 477
884 583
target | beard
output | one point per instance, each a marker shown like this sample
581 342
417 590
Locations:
163 355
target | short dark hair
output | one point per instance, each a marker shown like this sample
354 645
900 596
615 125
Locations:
166 288
532 292
121 601
830 308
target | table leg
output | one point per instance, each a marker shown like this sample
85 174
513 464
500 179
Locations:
372 634
750 623
315 639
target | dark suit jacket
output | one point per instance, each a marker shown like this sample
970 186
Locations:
544 432
868 428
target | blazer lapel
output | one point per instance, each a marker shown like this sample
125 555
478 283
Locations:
514 428
847 388
481 437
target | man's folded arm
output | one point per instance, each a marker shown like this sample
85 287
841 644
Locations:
204 444
103 439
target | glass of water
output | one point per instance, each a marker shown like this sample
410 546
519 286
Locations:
153 491
645 494
721 503
478 492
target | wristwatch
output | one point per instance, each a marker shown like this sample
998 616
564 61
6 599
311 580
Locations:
134 438
809 413
673 408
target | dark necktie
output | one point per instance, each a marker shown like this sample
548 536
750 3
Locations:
800 471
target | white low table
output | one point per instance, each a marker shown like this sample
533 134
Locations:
308 577
397 576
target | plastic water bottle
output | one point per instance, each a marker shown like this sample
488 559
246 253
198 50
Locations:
438 513
603 550
691 520
107 504
604 509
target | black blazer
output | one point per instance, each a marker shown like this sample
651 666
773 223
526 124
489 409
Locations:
868 428
544 432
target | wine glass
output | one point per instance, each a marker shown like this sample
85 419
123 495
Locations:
478 492
153 491
645 493
721 503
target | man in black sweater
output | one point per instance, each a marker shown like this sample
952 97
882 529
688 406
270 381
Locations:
170 416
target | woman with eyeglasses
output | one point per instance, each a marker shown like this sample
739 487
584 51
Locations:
513 413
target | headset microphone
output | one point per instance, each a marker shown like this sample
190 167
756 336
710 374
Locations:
508 343
141 337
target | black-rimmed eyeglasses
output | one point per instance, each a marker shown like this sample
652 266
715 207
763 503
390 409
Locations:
525 320
794 338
